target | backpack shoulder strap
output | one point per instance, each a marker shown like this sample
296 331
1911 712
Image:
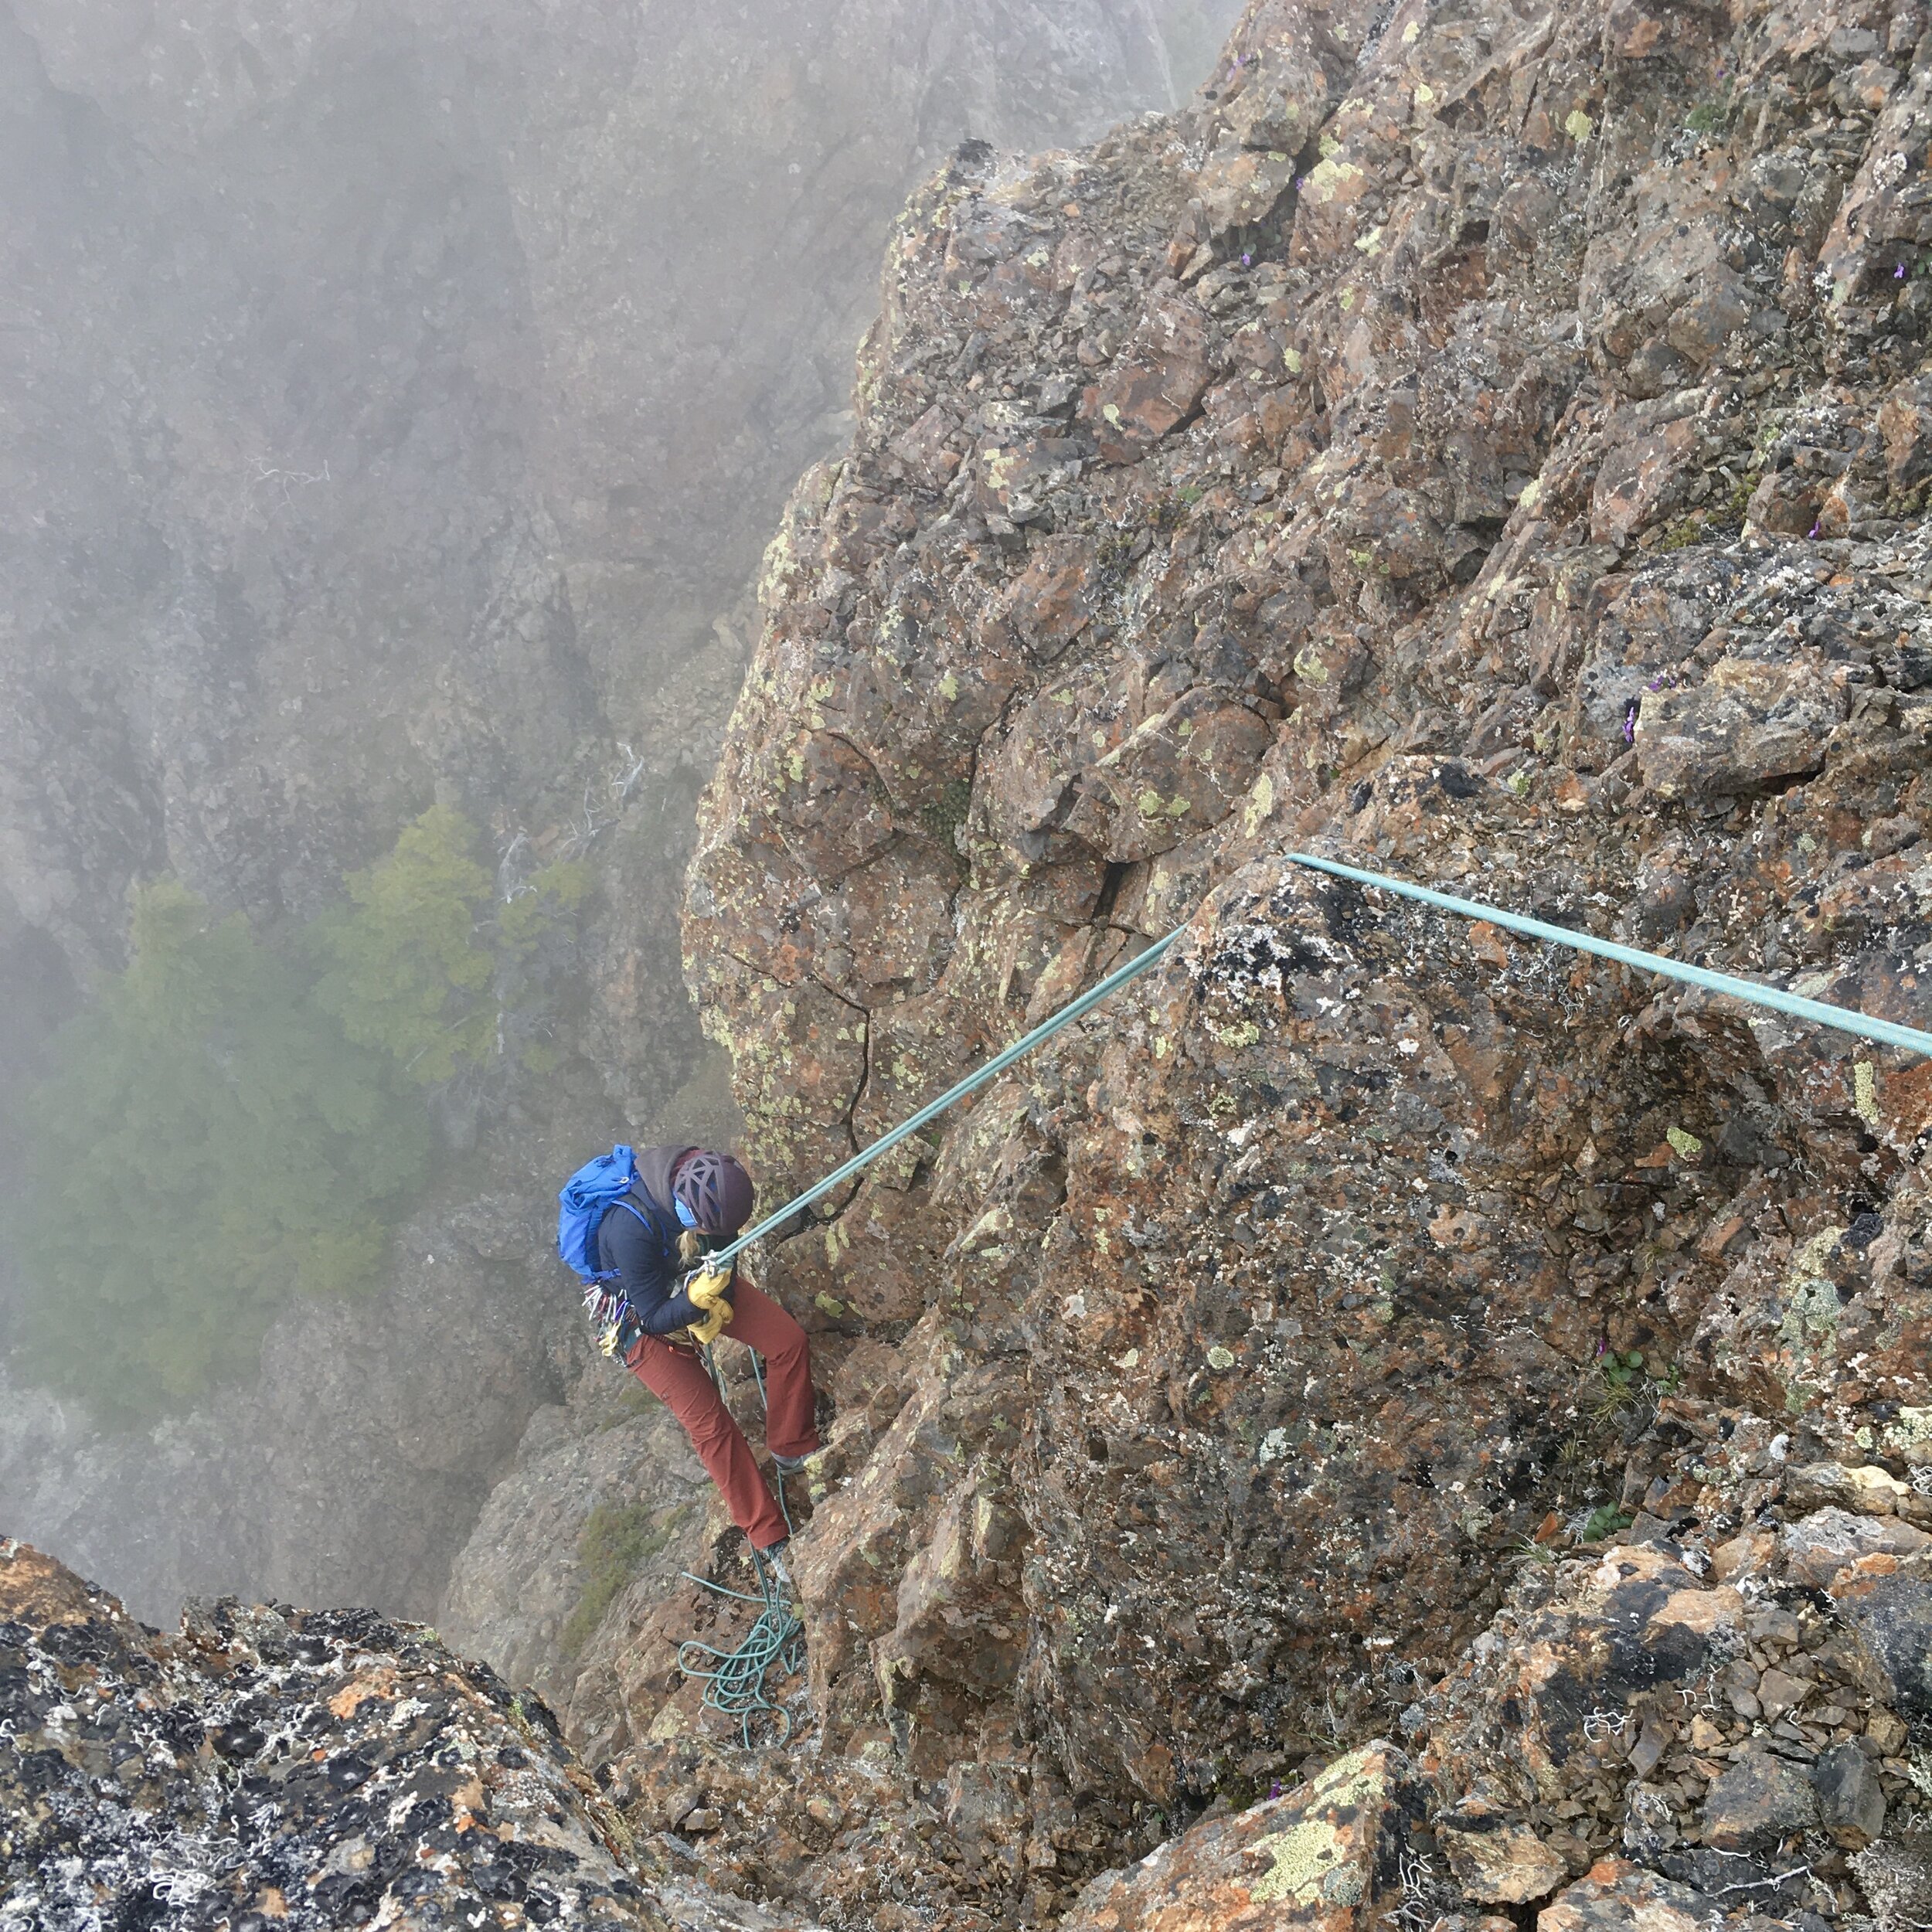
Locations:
632 1206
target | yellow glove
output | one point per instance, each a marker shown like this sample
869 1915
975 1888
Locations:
705 1290
705 1332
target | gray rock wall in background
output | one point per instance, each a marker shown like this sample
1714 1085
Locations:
394 403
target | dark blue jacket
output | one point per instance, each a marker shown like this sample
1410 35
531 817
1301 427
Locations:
646 1256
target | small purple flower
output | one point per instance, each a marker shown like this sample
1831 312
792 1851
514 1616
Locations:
1247 261
1898 274
1629 721
1601 1345
1813 532
1274 1789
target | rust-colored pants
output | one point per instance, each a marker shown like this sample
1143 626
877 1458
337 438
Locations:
678 1378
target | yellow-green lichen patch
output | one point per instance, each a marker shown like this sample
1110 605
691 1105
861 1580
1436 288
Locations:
1579 127
1684 1143
1327 178
1811 1299
1864 1095
1260 804
1324 1859
1908 1435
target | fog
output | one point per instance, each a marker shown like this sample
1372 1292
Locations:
394 403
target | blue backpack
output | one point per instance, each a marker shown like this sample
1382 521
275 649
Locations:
587 1196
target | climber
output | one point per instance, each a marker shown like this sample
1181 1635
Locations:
685 1194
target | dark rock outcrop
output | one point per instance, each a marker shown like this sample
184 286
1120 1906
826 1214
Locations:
305 1769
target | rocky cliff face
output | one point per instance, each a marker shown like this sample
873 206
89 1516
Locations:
1488 444
396 402
1385 1426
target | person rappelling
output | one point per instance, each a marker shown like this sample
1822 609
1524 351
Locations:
636 1229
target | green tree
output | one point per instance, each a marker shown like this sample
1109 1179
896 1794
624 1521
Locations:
405 966
423 962
534 932
207 1145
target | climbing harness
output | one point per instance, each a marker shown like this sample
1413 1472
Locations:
735 1681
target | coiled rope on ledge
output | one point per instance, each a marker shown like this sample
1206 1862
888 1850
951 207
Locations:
736 1680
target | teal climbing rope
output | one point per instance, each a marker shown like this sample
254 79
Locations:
1821 1012
737 1682
1845 1019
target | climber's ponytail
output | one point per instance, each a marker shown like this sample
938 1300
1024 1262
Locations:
690 1245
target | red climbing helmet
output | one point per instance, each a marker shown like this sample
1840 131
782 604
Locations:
716 1189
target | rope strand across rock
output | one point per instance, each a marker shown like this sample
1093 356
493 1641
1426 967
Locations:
1820 1012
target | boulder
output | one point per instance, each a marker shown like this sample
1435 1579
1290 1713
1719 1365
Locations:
1818 1546
1155 387
1905 426
1785 503
1327 1856
1616 1896
1507 1864
1892 1615
1851 1802
1748 724
1759 1801
1865 1491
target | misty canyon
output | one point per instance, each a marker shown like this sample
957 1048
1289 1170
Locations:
1385 1423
